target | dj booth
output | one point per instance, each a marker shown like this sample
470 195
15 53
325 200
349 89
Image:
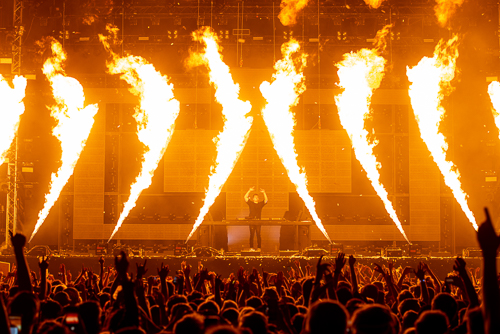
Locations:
234 235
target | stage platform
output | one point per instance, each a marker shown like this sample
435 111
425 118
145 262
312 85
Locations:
225 265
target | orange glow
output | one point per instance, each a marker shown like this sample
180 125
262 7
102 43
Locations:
360 73
231 141
289 11
155 116
494 92
444 9
74 122
282 94
430 83
10 112
374 3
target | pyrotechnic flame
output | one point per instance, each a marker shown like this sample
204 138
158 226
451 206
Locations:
444 9
282 94
232 139
155 117
494 92
360 74
430 82
10 112
74 122
289 11
374 3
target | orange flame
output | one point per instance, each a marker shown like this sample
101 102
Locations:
74 122
374 3
444 9
281 94
11 111
289 11
155 116
494 92
430 82
360 74
232 139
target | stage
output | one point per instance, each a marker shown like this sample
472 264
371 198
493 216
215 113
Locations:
226 265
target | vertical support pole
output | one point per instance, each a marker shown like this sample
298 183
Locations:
11 205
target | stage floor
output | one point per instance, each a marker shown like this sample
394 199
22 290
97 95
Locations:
225 265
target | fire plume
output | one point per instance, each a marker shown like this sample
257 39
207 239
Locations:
74 122
360 73
374 3
494 92
430 83
155 116
231 141
289 11
282 94
444 9
11 111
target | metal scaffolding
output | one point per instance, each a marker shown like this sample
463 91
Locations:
12 172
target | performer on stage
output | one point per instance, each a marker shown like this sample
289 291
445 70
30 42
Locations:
255 213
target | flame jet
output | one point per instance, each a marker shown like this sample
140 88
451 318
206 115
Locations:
155 116
74 122
282 94
231 141
444 9
494 92
289 11
360 73
10 112
430 82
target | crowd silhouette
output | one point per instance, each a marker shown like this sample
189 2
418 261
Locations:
337 297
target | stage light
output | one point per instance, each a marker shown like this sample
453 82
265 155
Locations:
355 218
187 217
340 218
171 217
157 217
142 216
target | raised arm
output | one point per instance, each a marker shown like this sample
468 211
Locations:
101 273
23 273
247 195
436 281
489 242
44 265
131 317
469 286
424 293
265 195
354 280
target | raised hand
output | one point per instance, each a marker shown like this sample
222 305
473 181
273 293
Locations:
379 269
43 263
390 264
460 266
218 282
101 260
252 188
186 268
141 269
487 237
262 190
420 273
163 271
339 262
121 264
352 261
241 275
18 240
